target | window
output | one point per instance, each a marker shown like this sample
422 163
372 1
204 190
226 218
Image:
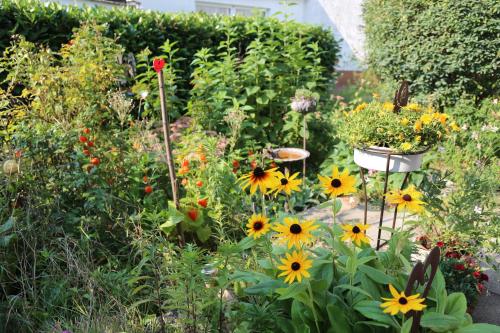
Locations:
226 9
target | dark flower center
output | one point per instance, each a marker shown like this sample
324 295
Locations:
407 197
295 229
356 230
258 172
336 183
257 225
295 266
283 181
403 300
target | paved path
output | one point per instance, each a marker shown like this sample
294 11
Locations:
488 307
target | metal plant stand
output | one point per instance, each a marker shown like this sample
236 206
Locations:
388 154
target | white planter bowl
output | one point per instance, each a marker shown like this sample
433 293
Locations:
373 160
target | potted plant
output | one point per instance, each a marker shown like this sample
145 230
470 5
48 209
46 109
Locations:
403 131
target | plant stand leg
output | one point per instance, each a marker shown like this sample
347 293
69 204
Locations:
363 181
407 176
382 206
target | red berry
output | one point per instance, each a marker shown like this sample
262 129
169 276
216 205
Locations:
185 163
83 139
95 161
193 214
86 130
86 152
90 144
148 189
199 183
477 274
236 164
440 244
203 202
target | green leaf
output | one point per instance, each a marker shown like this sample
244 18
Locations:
439 322
479 328
456 305
252 90
406 328
246 243
264 288
372 310
337 318
204 233
7 225
353 288
174 217
293 290
375 274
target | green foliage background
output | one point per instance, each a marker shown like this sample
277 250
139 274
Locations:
53 24
444 48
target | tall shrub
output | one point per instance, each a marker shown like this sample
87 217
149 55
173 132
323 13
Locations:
445 48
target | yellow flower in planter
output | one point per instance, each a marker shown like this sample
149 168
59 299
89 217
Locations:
387 106
355 233
258 225
418 126
413 107
295 266
426 119
406 146
408 199
259 178
295 232
338 183
286 183
402 303
404 121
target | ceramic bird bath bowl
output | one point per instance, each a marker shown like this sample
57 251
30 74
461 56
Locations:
288 154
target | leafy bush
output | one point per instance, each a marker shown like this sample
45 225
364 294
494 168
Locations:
136 30
446 49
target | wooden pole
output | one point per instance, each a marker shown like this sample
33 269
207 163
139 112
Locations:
168 150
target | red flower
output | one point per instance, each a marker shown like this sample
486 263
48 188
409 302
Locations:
484 277
236 164
158 64
19 153
440 244
452 254
193 214
82 139
185 163
86 130
148 189
480 288
95 161
199 183
459 267
203 202
90 144
477 274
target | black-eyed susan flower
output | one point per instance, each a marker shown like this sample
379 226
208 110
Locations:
258 178
402 303
295 232
258 225
408 199
339 183
355 233
295 266
286 183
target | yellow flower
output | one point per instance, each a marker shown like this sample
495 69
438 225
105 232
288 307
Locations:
295 266
404 121
418 126
402 303
294 232
408 199
418 138
442 118
360 107
413 107
426 118
355 233
405 146
286 183
338 183
258 178
258 225
387 106
455 127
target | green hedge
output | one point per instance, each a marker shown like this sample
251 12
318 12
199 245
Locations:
445 48
52 24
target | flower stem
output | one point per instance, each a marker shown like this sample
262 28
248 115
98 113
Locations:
333 239
311 300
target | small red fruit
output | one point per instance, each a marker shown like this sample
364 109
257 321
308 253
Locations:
477 274
86 130
236 164
83 139
193 214
86 152
185 163
95 161
203 202
440 244
148 189
199 183
158 64
90 144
